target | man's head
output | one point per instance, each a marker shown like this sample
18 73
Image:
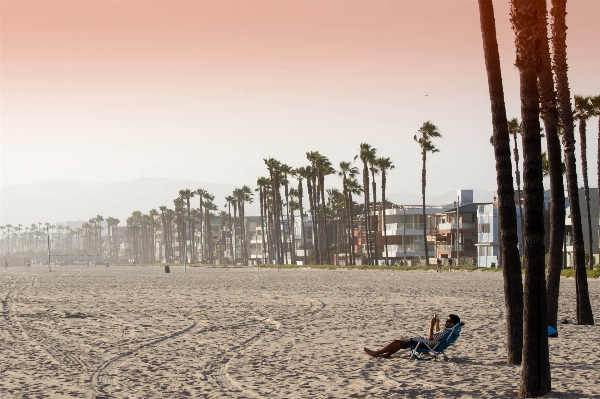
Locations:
452 320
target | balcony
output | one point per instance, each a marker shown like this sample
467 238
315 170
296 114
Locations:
409 248
450 248
452 226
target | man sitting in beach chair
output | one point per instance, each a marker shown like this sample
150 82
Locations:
430 342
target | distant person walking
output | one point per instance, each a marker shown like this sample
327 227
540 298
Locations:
439 265
449 264
6 264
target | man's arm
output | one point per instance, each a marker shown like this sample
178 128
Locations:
434 322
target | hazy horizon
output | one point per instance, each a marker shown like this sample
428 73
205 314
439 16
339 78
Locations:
107 91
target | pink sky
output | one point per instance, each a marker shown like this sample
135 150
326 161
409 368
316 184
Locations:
203 90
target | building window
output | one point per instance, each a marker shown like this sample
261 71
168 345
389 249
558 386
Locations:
484 227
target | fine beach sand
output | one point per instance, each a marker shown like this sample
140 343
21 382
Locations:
136 332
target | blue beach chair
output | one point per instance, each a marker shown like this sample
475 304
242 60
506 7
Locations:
428 350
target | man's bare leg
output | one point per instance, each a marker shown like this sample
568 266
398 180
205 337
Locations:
386 351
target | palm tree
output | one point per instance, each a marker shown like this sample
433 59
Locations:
294 206
353 188
163 219
186 195
528 18
428 131
384 164
302 173
560 67
208 207
201 193
286 170
262 184
514 128
509 252
243 195
583 111
374 171
230 200
366 155
348 173
274 168
596 104
554 170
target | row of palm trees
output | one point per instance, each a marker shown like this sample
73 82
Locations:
19 240
531 305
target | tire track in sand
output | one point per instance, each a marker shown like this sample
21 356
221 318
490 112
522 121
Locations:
99 378
18 331
225 380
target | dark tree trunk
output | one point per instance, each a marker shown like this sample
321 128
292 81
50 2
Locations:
423 184
519 192
300 195
366 211
560 67
507 216
351 230
262 220
527 22
557 190
535 371
586 188
314 221
375 220
324 227
387 263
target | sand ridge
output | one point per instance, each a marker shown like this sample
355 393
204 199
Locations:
123 332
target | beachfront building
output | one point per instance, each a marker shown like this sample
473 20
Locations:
487 235
584 225
294 240
457 235
404 228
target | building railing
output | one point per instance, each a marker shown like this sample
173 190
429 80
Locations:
409 248
452 225
449 248
401 226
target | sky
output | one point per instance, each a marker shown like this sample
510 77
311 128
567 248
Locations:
101 91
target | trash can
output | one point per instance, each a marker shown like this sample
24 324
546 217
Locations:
167 269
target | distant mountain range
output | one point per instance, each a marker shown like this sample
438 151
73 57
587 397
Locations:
59 201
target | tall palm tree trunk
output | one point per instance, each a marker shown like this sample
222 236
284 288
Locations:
324 227
314 221
557 190
511 263
351 228
560 67
262 220
535 374
300 195
366 211
383 182
527 21
586 188
375 219
518 178
423 184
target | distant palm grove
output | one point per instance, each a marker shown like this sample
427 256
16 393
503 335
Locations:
303 222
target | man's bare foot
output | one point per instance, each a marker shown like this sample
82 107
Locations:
370 352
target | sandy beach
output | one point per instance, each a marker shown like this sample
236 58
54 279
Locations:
136 332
